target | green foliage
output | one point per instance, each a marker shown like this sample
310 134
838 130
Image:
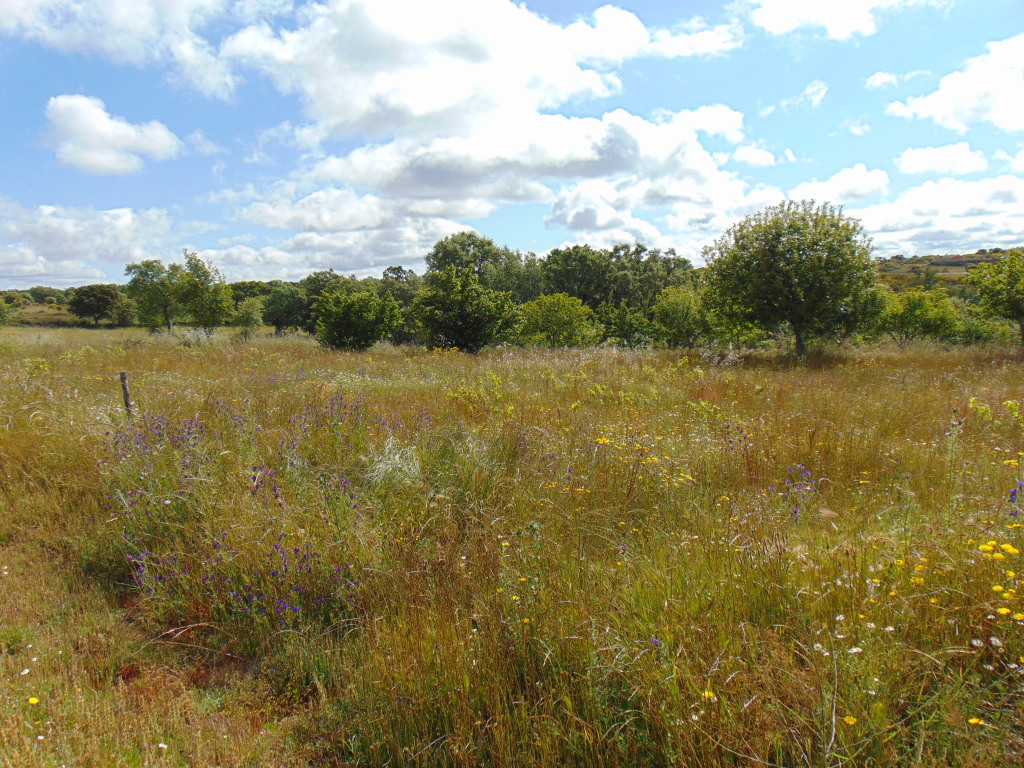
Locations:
248 316
125 312
355 320
317 284
205 296
918 314
1001 288
455 311
464 250
41 293
579 271
625 325
793 263
157 291
557 320
285 307
94 302
7 311
682 319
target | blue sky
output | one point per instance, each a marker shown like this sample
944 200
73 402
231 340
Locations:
277 137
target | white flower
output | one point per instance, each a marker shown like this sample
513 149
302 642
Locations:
855 650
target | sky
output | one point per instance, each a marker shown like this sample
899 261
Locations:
280 137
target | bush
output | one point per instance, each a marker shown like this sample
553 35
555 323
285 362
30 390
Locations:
355 320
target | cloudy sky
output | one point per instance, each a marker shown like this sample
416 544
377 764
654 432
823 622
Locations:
277 137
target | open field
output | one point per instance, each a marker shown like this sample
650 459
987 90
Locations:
589 557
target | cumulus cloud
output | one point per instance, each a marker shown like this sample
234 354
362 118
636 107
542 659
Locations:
58 245
132 31
989 89
840 21
754 156
956 159
389 68
89 139
844 186
948 216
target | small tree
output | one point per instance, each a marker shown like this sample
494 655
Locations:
157 290
248 317
793 263
285 307
206 296
1001 288
918 314
355 320
454 310
94 302
557 320
682 318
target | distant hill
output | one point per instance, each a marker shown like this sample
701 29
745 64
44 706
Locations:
932 271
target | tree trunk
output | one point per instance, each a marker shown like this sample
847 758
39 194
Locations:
801 345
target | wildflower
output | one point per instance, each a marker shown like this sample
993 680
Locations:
855 650
1010 549
850 720
997 588
1018 617
33 700
709 695
976 721
1002 611
985 548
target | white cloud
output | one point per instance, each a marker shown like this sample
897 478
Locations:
130 31
857 127
58 245
989 89
202 144
813 94
881 80
948 216
754 156
390 68
953 159
844 186
89 139
840 20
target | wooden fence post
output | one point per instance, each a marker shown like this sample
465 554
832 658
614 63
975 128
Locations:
127 397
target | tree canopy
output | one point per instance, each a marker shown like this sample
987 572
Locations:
796 263
1001 287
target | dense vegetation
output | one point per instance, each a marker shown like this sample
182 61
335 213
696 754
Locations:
793 271
595 557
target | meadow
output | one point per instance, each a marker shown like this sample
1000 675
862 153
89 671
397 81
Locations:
290 556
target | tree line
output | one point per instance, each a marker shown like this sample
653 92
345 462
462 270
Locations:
795 270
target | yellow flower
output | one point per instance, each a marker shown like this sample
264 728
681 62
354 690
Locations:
976 721
33 700
850 720
1003 611
709 695
1010 549
997 588
1018 617
985 548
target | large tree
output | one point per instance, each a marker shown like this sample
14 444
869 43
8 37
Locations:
205 294
1001 288
798 264
95 302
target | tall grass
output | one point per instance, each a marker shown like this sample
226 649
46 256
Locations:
591 557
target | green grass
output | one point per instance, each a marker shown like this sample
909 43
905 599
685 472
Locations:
591 558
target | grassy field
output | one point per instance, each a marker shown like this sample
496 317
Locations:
590 557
